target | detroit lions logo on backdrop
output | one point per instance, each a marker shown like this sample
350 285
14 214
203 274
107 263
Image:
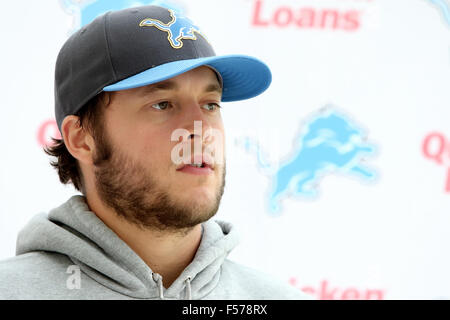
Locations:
178 29
85 11
330 144
444 7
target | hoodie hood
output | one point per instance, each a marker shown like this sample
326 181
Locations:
75 231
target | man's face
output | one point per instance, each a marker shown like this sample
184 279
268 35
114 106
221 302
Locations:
133 163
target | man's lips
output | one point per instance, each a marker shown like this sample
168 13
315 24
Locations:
206 161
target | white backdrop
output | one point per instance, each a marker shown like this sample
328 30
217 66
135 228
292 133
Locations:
367 79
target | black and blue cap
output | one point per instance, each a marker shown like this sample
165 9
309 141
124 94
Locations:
140 46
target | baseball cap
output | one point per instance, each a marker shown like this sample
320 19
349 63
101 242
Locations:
143 45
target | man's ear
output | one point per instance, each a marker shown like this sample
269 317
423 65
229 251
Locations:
78 141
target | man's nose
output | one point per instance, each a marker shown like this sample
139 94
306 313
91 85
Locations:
194 112
194 136
196 121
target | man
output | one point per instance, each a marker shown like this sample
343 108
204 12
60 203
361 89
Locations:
137 101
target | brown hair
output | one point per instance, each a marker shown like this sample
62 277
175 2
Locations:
90 118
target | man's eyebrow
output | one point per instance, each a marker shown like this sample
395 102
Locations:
171 85
213 87
164 85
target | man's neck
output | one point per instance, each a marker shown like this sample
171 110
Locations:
165 253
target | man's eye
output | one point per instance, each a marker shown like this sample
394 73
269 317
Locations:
212 106
161 105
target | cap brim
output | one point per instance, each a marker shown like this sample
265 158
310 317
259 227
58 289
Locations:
243 77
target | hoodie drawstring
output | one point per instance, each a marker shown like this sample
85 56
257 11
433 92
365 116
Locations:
188 288
158 279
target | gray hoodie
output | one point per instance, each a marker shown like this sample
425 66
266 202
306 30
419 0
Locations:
71 254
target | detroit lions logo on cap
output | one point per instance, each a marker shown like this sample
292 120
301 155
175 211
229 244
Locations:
178 29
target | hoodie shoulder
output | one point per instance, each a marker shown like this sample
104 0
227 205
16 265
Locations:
33 275
241 282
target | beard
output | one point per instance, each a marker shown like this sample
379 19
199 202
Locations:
140 198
